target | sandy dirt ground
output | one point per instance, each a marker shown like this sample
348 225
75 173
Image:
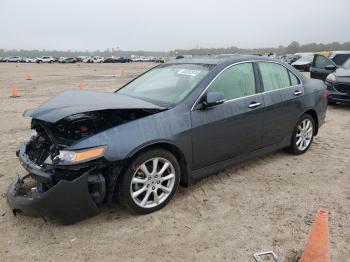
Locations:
263 204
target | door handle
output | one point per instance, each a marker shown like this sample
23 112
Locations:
297 92
254 104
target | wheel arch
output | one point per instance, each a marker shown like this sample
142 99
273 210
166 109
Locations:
313 114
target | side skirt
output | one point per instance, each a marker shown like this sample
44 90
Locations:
219 166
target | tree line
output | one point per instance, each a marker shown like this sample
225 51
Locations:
292 48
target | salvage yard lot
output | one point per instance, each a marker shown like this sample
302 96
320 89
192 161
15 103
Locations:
259 205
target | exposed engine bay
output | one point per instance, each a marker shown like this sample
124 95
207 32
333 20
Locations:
52 137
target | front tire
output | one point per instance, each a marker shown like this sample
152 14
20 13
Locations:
149 182
303 135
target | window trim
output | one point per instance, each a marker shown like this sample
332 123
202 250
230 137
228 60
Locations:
259 88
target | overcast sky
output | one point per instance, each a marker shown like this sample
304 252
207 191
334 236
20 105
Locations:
166 25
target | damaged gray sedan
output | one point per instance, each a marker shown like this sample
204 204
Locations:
176 123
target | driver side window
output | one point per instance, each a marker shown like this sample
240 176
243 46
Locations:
235 82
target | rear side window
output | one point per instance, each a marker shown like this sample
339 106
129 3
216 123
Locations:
235 82
321 62
274 76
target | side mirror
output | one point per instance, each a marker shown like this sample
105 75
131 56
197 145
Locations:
331 67
213 99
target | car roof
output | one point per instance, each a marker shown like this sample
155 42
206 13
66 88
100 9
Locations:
219 59
339 52
304 53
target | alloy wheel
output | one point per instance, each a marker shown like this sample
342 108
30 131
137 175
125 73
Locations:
304 134
152 182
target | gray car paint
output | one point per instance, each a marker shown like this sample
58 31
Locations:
207 136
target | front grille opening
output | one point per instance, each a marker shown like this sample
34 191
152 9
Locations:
38 149
342 88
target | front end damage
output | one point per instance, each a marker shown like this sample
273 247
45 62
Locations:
69 189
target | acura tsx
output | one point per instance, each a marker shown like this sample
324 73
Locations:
175 123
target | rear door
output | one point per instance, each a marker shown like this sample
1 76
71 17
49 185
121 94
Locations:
234 127
318 67
282 95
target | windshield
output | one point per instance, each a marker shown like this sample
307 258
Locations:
168 84
347 64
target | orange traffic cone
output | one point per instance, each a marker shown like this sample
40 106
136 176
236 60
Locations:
317 246
81 86
14 92
29 77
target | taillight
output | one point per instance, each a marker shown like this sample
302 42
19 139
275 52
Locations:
325 93
83 129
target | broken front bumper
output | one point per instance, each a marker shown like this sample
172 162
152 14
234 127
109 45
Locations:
67 201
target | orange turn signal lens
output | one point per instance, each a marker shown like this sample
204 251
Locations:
89 154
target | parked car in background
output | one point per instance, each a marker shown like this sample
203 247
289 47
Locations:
31 60
68 60
145 59
87 59
109 60
289 59
179 121
123 59
136 58
117 59
45 59
81 58
14 59
97 59
304 61
322 65
157 59
93 59
336 77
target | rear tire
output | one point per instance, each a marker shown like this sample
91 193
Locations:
303 135
149 182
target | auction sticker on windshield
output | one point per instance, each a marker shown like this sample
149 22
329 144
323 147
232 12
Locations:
189 72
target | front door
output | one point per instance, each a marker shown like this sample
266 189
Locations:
234 127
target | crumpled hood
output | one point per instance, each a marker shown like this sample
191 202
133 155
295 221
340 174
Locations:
72 102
